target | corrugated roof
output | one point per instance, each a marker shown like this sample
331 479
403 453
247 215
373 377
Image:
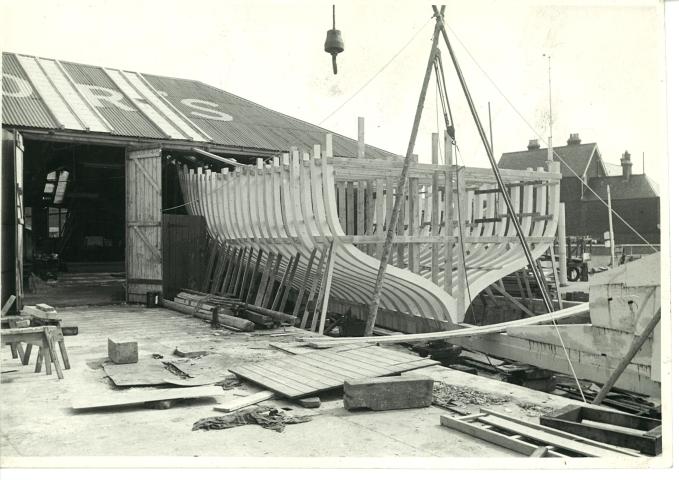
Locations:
637 187
576 156
52 94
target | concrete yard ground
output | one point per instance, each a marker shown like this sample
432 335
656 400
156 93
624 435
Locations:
36 419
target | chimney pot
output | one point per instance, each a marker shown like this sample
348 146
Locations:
626 162
574 139
533 144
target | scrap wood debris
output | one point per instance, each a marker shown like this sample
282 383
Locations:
445 395
270 418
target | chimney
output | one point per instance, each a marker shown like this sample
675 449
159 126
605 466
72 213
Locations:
534 144
626 163
574 139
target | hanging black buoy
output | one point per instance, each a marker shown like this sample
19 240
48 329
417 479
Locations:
334 43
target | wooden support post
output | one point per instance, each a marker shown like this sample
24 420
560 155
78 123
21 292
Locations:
307 276
284 281
224 261
414 226
370 214
400 229
435 207
325 288
253 276
313 293
264 280
556 278
236 252
448 199
361 138
271 283
360 208
379 214
351 212
246 268
235 280
563 257
342 205
288 286
328 146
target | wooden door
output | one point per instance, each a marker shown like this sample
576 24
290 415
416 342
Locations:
12 218
185 242
143 204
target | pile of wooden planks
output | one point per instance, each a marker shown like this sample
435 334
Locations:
227 311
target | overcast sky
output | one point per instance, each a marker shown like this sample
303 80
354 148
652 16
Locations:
607 63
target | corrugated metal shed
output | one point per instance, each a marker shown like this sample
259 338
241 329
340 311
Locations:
49 94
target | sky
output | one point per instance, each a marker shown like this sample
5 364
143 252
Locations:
607 63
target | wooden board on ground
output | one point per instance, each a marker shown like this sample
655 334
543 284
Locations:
136 397
466 331
146 372
238 403
306 375
208 369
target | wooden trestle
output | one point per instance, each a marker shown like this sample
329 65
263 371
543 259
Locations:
287 213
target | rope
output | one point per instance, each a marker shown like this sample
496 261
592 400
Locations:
537 134
547 300
375 75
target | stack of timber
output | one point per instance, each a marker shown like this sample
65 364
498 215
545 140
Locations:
308 229
228 311
216 314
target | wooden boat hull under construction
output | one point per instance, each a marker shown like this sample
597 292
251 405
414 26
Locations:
290 212
315 225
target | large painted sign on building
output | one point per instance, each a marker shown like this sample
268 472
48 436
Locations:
51 94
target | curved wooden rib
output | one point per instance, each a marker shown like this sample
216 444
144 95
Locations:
297 208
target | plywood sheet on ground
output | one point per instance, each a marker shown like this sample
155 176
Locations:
146 372
134 397
305 375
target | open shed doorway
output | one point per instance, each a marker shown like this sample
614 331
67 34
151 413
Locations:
74 233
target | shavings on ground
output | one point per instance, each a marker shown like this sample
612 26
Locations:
533 410
229 383
268 417
445 394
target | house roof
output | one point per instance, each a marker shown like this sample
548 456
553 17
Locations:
637 187
577 157
55 95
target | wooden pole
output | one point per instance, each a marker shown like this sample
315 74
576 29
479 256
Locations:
361 137
563 256
389 241
633 349
610 225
